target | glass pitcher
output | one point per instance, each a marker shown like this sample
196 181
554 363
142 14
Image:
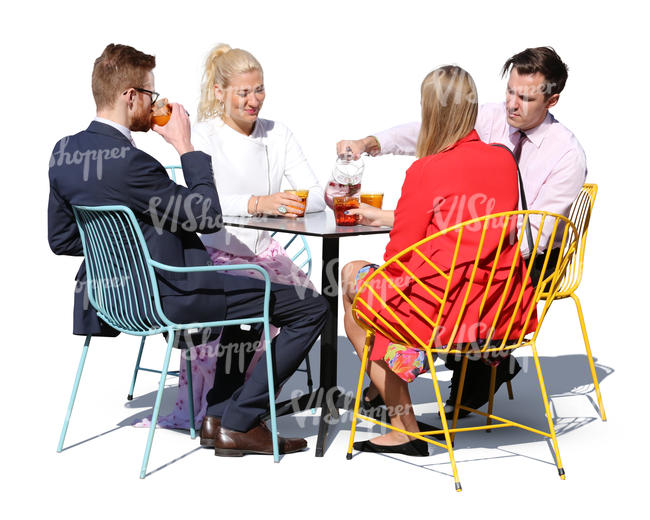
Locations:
346 178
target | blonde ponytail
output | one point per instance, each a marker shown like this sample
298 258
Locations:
222 63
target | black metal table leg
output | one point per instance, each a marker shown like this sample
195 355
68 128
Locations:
328 348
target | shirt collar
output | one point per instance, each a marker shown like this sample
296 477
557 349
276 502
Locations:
122 129
535 135
472 136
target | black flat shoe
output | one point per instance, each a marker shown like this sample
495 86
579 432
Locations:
424 427
374 408
415 448
372 403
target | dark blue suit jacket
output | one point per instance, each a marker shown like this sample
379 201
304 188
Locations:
99 166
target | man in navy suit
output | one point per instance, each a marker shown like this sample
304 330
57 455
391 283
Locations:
102 166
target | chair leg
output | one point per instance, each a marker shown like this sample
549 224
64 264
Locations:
443 416
269 372
589 356
310 381
75 387
357 401
511 396
493 379
156 408
459 395
190 391
136 369
549 417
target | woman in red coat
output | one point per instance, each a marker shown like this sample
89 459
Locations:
456 178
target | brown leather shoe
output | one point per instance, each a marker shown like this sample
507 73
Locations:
209 430
259 440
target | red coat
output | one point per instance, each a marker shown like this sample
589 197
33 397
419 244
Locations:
469 180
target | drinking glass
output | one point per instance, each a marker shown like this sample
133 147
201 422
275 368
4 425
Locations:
303 198
162 111
374 199
341 205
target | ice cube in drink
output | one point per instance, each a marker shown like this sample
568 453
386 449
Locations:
336 189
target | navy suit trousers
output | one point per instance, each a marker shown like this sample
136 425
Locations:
300 314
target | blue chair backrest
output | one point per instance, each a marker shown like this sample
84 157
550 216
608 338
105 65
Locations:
172 171
298 251
121 282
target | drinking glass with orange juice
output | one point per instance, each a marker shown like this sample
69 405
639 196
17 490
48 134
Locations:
373 199
162 111
303 194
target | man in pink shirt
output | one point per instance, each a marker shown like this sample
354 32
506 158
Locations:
552 162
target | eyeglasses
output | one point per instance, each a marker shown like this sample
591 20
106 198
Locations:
154 95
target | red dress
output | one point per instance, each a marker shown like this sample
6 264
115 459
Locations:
471 179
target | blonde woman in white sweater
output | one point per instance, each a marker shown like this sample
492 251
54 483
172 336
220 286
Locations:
250 158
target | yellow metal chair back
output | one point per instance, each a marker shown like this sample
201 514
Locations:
580 215
490 277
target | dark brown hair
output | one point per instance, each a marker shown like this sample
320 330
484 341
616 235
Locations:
543 60
119 67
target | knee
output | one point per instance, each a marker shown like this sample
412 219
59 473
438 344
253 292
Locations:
321 306
348 272
312 307
349 277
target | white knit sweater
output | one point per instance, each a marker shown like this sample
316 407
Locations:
252 165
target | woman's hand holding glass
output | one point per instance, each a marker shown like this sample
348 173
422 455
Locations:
372 216
281 203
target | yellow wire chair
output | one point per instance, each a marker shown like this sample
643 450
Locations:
580 215
505 312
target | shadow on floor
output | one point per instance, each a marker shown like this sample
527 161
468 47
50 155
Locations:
565 377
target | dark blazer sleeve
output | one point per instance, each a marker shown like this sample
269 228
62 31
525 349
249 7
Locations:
62 232
194 208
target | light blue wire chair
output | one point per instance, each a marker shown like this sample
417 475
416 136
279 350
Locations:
300 254
122 288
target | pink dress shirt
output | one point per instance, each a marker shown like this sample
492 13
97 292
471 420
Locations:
553 164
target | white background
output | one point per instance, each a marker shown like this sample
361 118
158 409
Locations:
332 70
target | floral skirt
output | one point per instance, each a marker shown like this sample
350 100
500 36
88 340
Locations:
407 362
